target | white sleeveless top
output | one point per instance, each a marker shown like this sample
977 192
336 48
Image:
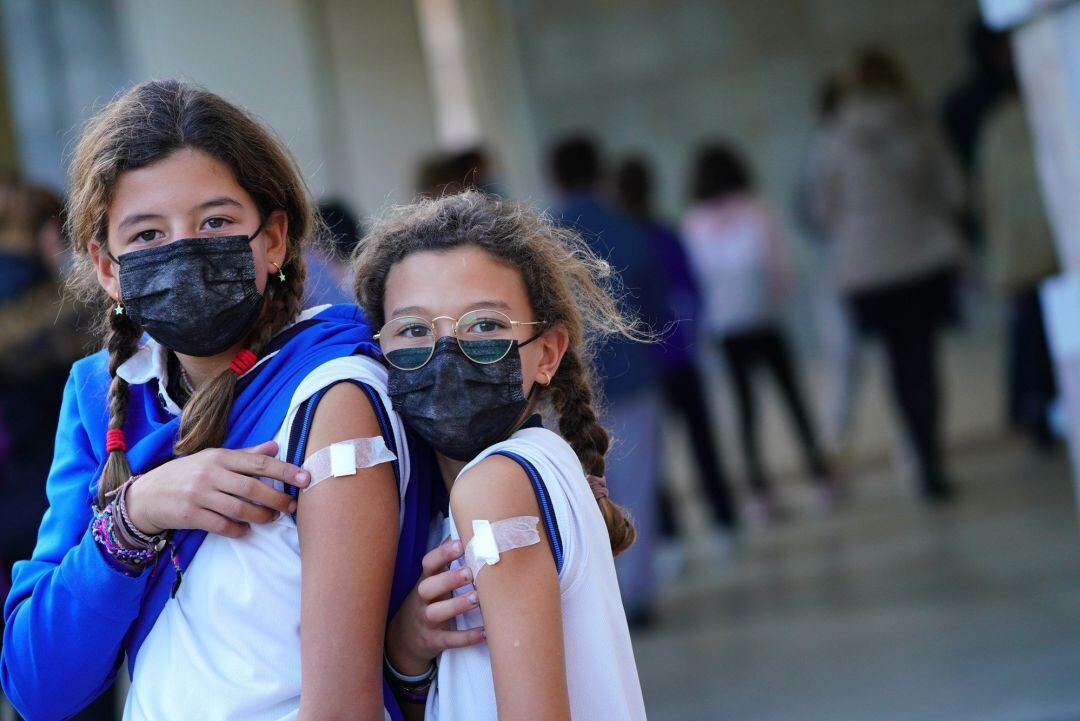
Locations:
228 646
601 675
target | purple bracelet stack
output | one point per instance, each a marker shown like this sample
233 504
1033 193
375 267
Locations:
113 530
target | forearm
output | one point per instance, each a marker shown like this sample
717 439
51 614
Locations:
64 626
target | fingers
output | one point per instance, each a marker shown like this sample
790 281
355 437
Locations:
251 490
442 584
266 448
440 612
216 523
238 509
438 558
460 639
264 464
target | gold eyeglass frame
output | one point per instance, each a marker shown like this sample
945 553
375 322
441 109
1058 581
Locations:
431 324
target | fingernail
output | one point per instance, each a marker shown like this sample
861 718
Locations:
292 506
483 633
472 599
456 548
302 477
466 575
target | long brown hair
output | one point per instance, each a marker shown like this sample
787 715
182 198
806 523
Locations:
148 123
567 285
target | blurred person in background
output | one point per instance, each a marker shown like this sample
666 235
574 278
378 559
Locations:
968 105
628 372
684 390
888 196
837 327
328 278
442 174
40 337
739 251
1021 254
39 340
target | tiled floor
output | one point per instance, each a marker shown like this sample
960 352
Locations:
888 610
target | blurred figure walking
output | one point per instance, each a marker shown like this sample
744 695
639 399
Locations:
629 372
741 257
837 327
888 196
1021 255
685 393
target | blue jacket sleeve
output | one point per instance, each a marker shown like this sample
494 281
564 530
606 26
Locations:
69 609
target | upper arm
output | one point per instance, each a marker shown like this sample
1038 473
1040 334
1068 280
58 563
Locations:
519 596
348 529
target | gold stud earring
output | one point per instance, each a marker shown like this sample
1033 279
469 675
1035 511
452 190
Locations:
279 271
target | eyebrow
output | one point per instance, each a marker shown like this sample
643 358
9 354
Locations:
424 313
223 201
219 202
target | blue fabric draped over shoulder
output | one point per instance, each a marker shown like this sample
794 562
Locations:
71 615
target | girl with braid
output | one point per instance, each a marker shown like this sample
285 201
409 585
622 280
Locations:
183 487
487 314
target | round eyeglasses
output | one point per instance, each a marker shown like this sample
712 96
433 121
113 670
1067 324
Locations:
484 336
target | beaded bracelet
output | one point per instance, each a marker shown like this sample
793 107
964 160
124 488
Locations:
105 533
124 520
412 688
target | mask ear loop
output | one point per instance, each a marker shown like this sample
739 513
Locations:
538 334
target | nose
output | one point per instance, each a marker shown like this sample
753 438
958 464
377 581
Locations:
444 326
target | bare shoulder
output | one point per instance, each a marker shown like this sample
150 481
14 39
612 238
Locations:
344 412
495 488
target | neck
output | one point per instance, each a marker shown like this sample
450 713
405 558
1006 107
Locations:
201 369
449 469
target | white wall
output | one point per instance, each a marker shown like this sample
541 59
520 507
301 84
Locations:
381 88
659 76
252 52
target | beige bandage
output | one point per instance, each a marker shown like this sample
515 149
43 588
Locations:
345 458
490 538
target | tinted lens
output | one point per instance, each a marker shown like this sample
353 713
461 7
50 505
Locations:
409 359
407 342
485 351
485 335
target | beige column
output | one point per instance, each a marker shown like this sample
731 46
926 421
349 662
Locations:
1046 41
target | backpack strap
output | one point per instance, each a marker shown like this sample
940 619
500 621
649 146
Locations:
305 414
543 500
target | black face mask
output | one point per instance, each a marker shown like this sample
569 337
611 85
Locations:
458 406
195 296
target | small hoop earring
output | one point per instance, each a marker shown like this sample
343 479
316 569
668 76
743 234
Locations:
279 271
546 381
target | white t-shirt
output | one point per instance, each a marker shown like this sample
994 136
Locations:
601 675
228 646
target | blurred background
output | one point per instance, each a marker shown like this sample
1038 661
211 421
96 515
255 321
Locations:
855 222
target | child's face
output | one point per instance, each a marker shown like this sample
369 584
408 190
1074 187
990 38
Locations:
451 283
185 195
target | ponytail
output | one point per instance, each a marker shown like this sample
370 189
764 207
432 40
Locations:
572 397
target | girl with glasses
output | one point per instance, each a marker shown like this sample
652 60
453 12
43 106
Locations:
487 315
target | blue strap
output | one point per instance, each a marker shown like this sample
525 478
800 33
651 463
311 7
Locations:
543 500
305 414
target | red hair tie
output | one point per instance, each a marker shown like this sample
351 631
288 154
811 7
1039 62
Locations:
115 441
243 361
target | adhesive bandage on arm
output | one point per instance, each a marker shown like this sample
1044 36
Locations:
345 458
491 538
